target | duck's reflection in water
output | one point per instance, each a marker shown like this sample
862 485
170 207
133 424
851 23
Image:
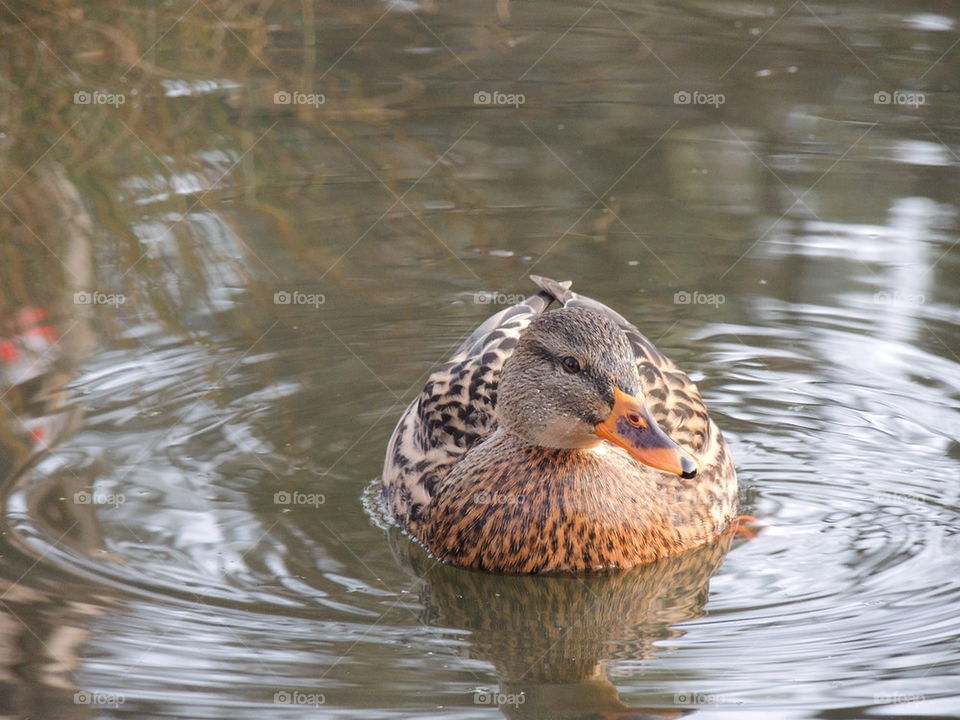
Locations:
551 639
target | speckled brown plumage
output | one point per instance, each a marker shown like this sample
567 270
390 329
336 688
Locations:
525 486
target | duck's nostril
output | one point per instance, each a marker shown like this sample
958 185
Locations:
634 418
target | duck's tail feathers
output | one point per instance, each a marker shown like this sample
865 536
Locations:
559 291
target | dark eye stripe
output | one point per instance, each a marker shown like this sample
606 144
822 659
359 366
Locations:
605 390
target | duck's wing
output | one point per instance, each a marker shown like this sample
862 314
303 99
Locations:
672 397
455 410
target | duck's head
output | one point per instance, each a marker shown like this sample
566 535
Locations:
572 382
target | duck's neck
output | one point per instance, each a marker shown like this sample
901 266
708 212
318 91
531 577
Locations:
509 438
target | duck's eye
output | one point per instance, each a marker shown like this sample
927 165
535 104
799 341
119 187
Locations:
571 364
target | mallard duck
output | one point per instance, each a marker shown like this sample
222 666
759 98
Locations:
558 441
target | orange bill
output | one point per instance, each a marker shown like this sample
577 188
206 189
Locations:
631 427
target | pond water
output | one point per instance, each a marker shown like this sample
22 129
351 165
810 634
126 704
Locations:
236 237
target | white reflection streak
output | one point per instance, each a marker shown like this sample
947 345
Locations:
200 196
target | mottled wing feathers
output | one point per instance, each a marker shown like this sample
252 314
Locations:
455 410
503 321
